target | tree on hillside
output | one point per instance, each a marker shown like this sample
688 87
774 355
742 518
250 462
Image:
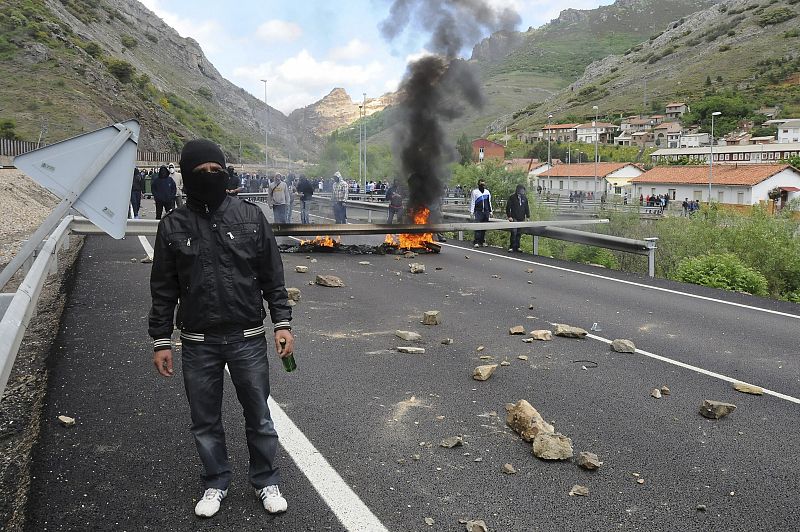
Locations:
732 106
7 130
464 147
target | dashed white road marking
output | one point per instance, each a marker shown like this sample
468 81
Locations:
631 283
699 370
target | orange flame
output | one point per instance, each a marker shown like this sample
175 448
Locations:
413 241
324 241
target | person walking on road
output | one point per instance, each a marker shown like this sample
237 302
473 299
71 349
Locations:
178 178
234 185
339 196
306 191
517 210
137 189
395 198
216 258
480 207
164 191
280 200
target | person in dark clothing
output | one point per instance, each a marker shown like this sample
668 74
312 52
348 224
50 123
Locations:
164 191
234 186
137 189
395 198
216 258
306 191
517 210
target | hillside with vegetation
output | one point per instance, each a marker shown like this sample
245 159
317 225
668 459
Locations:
735 57
71 66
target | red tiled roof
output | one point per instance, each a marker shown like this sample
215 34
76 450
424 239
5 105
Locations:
589 125
677 104
724 174
559 126
584 169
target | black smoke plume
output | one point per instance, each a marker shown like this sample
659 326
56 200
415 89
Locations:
436 87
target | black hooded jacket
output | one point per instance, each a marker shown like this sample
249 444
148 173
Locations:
163 187
217 266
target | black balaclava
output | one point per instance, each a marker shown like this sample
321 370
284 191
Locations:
204 190
163 173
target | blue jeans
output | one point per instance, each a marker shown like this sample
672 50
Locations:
136 202
340 212
279 213
203 376
304 206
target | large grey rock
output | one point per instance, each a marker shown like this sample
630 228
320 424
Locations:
294 294
476 525
589 461
431 317
517 329
66 421
526 421
577 489
301 269
408 336
715 409
482 373
568 331
412 350
416 267
452 441
330 281
748 388
623 346
552 446
541 334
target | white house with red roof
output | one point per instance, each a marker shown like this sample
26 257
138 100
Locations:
730 183
588 177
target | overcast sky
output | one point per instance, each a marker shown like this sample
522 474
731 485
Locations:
306 48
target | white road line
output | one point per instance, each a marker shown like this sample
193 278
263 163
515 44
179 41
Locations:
698 370
147 247
354 515
348 507
631 283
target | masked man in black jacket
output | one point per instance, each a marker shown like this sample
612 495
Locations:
216 258
517 210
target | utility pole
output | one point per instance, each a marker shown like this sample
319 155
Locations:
549 134
364 103
360 145
711 156
595 150
266 133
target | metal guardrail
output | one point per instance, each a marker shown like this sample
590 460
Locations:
17 309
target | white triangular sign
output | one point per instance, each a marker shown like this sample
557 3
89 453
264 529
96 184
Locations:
60 167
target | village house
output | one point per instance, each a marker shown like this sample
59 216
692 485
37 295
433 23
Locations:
789 131
559 132
588 177
694 140
675 111
730 183
667 135
483 149
749 154
636 124
602 131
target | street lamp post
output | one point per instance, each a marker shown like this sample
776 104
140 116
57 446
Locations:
364 103
711 156
595 151
266 133
549 134
360 145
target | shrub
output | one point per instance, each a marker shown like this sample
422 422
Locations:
722 271
122 70
206 93
776 16
93 49
128 41
7 130
152 38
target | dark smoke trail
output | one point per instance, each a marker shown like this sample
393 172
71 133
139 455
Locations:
435 86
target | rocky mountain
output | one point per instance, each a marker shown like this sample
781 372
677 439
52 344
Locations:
520 69
336 110
750 47
70 66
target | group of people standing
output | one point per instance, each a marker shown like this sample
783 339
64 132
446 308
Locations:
517 210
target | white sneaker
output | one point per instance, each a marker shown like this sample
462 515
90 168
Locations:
485 244
476 246
209 504
510 250
272 499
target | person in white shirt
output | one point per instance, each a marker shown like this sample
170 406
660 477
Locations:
480 207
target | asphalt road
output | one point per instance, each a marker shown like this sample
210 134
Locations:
377 415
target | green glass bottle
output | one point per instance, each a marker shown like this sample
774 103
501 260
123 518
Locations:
288 362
